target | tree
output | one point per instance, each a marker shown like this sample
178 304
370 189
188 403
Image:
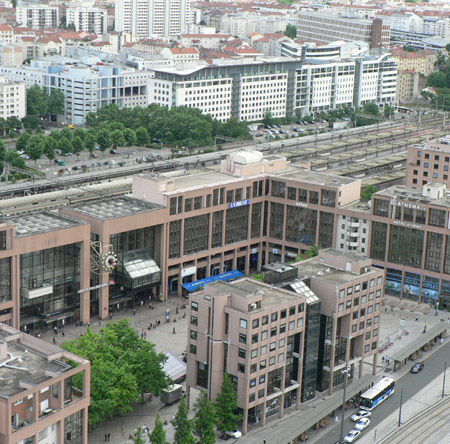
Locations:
437 79
35 147
267 118
31 122
366 193
116 355
129 136
90 142
117 138
104 139
291 31
226 406
80 132
55 102
204 420
158 434
183 425
65 145
14 123
37 103
22 140
138 437
3 126
447 47
388 111
67 132
142 137
49 148
371 108
78 145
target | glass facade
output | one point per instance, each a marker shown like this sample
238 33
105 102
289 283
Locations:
217 229
328 198
5 279
378 247
433 254
326 229
256 220
174 239
73 428
301 225
276 220
237 224
57 267
142 239
196 234
381 207
406 246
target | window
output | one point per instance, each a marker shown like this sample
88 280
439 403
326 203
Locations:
356 302
355 315
262 364
361 325
301 308
253 382
282 342
254 353
242 338
193 349
375 332
272 360
251 397
292 311
370 309
243 323
374 345
368 335
375 319
379 280
283 314
274 317
367 348
300 322
357 288
273 346
194 306
291 325
241 367
362 312
354 328
273 331
377 306
371 296
349 290
253 368
348 304
262 379
263 350
193 334
369 322
264 335
261 393
282 328
341 293
341 307
194 320
241 353
281 357
363 299
372 283
265 320
255 338
255 323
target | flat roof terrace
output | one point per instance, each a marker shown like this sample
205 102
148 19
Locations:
38 223
115 207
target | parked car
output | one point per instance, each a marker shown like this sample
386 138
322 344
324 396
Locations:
24 156
352 436
236 434
60 162
417 367
362 424
93 156
112 151
359 415
62 170
76 168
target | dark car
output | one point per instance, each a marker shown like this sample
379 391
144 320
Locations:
417 367
112 151
76 167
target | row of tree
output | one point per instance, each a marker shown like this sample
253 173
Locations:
178 126
220 415
123 368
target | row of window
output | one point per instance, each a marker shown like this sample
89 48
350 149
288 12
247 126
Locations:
264 320
357 287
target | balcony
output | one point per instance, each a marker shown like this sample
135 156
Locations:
355 224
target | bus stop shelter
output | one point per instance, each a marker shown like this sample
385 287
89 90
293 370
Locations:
413 348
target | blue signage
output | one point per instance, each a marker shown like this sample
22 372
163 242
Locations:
239 203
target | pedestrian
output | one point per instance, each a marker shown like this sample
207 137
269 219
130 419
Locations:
106 437
109 437
177 310
134 312
336 419
173 331
442 340
63 333
142 303
54 341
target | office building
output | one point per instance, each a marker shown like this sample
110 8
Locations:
38 17
229 88
12 98
283 340
39 400
327 28
153 18
86 87
91 20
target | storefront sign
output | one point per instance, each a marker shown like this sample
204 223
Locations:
239 203
406 224
407 205
301 204
188 271
95 287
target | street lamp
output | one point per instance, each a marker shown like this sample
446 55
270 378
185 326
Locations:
346 373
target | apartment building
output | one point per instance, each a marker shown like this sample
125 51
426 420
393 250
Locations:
12 99
11 54
407 86
153 18
287 338
427 163
229 88
39 398
38 17
86 87
319 26
92 20
6 33
422 62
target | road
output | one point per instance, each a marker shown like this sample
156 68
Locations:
411 384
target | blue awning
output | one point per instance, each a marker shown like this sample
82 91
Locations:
228 276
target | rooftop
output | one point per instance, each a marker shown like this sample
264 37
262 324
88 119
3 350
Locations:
30 361
412 195
120 206
38 223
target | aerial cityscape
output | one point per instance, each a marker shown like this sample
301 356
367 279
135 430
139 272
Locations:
224 221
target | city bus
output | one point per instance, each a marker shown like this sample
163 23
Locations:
377 393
